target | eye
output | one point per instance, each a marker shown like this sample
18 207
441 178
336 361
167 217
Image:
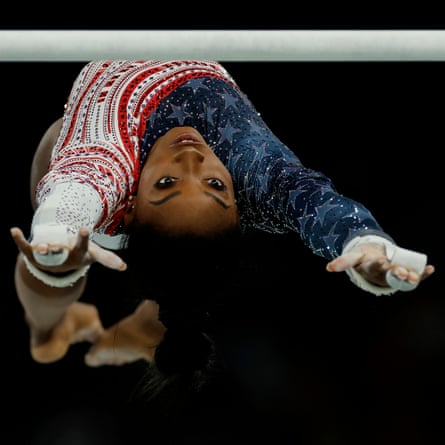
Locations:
216 183
165 182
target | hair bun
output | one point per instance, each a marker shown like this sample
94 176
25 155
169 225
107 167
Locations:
182 350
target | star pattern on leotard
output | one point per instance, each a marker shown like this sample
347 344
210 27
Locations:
275 192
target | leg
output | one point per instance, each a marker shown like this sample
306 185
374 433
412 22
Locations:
80 323
133 338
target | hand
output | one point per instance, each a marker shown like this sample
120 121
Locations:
371 262
82 253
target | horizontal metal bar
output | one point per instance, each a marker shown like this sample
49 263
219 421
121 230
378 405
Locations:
223 45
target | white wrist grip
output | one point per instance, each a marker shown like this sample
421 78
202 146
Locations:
55 281
397 257
410 260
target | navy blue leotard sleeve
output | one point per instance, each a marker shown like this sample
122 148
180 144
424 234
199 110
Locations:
275 192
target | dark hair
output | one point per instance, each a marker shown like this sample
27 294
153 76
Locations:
190 276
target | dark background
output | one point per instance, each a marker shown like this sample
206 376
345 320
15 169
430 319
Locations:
315 359
227 15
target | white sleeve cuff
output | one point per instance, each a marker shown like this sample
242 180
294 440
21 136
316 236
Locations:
70 204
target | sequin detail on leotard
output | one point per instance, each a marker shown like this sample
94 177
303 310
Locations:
118 109
103 124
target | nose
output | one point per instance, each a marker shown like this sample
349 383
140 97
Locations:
190 159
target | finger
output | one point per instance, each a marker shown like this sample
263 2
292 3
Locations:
50 257
403 280
428 271
21 242
413 276
50 244
106 258
402 273
345 261
50 254
82 241
18 237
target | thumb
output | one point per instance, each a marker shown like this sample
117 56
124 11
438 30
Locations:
345 261
106 258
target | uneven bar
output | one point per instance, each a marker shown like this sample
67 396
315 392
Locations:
222 45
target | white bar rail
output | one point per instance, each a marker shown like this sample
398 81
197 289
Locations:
223 45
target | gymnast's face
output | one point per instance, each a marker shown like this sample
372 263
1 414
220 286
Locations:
184 187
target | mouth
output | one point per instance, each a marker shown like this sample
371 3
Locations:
186 139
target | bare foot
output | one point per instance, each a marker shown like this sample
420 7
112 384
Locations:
80 323
133 338
117 346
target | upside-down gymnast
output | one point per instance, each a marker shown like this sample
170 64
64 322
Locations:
174 148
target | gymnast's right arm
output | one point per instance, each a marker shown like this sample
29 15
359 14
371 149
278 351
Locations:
46 290
52 265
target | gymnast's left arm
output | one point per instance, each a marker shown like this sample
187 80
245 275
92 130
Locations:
377 265
332 225
276 193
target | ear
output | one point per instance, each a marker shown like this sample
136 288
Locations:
130 210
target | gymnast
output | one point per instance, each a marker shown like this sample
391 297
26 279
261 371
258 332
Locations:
175 149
